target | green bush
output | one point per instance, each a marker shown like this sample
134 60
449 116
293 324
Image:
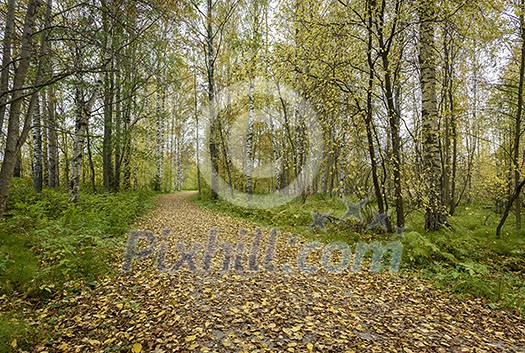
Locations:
46 241
14 332
421 250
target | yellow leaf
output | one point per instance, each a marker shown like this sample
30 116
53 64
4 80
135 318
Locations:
137 348
120 305
64 347
190 338
14 343
310 347
296 328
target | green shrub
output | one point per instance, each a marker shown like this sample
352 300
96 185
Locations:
14 332
46 241
420 250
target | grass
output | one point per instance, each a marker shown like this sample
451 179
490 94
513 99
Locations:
467 260
45 241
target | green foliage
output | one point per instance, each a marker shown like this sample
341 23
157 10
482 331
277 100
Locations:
45 241
13 328
421 250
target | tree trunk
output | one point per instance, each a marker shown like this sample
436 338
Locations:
126 157
35 106
78 143
197 149
52 140
92 174
435 216
117 140
159 144
379 193
393 113
225 156
37 147
210 66
6 60
276 157
14 141
517 126
45 140
83 112
107 146
249 142
179 169
508 207
66 160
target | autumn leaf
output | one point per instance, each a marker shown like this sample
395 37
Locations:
190 338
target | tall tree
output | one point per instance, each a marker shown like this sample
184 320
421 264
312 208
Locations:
515 196
435 216
38 159
83 109
6 60
210 58
52 158
16 138
109 12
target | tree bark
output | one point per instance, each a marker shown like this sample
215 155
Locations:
14 140
197 141
435 216
249 142
6 60
210 66
518 123
37 148
508 207
34 103
83 112
52 140
379 192
109 82
392 112
92 174
159 142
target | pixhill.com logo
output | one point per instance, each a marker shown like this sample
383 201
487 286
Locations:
258 255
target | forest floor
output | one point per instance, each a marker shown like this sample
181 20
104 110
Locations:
263 311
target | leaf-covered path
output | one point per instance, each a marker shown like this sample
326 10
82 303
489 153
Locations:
150 311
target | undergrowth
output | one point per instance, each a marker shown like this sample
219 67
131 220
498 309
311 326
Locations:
46 241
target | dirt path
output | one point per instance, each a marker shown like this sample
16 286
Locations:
262 311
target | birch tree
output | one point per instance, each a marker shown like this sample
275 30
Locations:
16 138
435 216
